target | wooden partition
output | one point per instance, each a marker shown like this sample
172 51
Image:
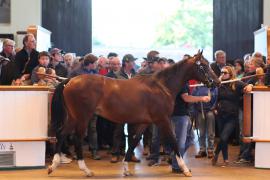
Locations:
23 126
256 125
247 116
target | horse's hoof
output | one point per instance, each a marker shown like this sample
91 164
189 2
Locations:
90 174
127 173
50 170
187 174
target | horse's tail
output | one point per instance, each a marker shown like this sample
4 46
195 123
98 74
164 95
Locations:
58 111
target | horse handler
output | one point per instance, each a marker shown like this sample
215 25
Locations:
182 124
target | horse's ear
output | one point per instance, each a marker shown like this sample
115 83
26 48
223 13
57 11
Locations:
199 56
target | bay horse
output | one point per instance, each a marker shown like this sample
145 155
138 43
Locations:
141 100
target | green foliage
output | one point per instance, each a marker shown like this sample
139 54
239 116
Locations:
191 25
96 42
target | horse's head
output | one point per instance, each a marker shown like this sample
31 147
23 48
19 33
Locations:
203 72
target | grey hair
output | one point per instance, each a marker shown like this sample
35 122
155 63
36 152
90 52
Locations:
219 52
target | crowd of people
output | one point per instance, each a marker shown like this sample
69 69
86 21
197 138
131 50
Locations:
219 107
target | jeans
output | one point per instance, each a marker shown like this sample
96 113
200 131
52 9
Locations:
92 134
226 126
155 144
207 130
119 138
184 136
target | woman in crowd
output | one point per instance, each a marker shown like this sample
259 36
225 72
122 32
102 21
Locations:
239 68
227 110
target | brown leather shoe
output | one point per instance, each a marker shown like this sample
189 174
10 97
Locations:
201 154
115 159
210 154
134 159
214 160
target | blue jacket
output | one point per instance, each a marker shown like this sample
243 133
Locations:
81 70
203 91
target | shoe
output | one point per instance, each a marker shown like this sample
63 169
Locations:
149 157
153 163
165 157
210 154
133 159
242 161
95 155
64 159
225 163
104 146
145 151
122 152
169 160
214 160
115 159
201 154
178 171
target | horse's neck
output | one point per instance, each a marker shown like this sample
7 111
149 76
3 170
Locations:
175 77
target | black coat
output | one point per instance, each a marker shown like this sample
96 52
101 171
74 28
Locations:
26 63
216 68
8 72
228 102
111 74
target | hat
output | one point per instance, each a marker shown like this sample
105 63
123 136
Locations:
152 56
55 51
128 58
89 58
112 54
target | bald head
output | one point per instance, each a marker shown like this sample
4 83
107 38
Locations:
115 64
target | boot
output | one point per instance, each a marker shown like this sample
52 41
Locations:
201 154
95 155
210 154
214 159
115 159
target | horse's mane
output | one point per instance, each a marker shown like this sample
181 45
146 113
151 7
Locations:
170 71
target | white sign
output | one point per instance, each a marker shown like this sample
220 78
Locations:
6 146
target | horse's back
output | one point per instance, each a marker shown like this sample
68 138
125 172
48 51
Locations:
121 101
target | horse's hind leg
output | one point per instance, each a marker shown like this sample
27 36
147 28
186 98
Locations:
79 153
78 146
61 135
140 128
169 137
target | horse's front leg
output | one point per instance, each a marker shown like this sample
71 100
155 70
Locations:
139 130
79 153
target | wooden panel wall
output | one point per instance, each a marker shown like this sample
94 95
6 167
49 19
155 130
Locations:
234 24
70 24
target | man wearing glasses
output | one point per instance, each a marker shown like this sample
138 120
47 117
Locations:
8 49
7 65
26 59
